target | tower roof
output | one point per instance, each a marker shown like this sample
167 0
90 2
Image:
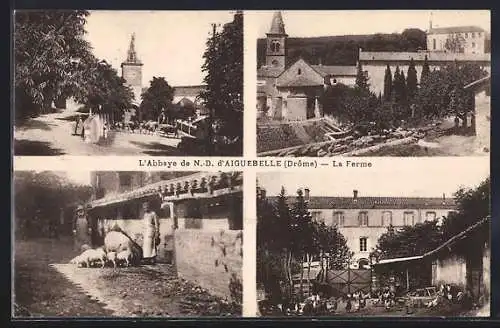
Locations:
277 25
131 54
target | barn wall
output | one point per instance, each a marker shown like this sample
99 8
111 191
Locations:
209 258
451 270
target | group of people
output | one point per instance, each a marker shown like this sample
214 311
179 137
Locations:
315 305
83 230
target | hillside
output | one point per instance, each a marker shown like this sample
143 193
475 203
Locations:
344 49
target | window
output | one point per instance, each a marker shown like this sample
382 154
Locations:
299 71
473 44
363 264
363 244
386 218
363 219
275 46
275 63
409 218
434 44
317 216
125 179
473 34
430 216
466 35
338 218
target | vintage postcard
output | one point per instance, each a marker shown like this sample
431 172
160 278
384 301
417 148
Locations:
410 83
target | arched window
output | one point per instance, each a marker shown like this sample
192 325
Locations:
275 63
275 46
299 71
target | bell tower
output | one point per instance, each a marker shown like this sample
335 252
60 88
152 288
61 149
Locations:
132 71
276 43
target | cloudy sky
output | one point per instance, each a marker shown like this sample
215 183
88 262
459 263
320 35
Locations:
409 177
348 22
169 43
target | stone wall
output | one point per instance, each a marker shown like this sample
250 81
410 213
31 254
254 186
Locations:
452 270
213 260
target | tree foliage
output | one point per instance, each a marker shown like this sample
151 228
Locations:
473 205
223 67
46 45
38 198
455 43
158 96
53 60
411 80
362 79
387 83
287 238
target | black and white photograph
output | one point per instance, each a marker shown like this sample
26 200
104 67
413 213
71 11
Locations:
399 243
373 83
127 244
160 83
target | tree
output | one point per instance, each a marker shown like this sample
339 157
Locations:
223 67
158 96
473 205
396 85
425 70
104 90
404 91
411 80
48 44
38 198
415 38
455 43
387 83
362 79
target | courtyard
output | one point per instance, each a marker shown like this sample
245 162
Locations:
51 134
46 286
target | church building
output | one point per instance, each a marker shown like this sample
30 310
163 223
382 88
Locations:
291 91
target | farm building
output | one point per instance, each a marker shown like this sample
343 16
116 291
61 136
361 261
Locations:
200 217
462 261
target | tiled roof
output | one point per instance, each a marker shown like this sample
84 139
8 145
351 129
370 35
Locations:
300 81
188 91
198 185
454 29
277 25
376 202
420 56
335 70
266 71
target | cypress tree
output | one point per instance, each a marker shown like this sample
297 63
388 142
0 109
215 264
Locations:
402 83
387 83
396 85
425 71
361 79
411 80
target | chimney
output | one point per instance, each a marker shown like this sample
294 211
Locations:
306 194
355 194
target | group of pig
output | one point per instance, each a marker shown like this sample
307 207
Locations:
118 250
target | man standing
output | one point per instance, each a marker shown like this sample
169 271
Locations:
81 229
151 233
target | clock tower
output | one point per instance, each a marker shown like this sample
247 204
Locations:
132 71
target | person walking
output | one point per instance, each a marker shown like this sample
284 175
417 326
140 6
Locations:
151 234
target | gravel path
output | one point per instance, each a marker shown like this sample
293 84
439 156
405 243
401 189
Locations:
51 134
46 286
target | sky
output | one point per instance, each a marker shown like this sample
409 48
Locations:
405 180
169 43
349 22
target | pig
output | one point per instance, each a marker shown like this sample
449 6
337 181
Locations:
118 241
112 258
92 256
125 256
